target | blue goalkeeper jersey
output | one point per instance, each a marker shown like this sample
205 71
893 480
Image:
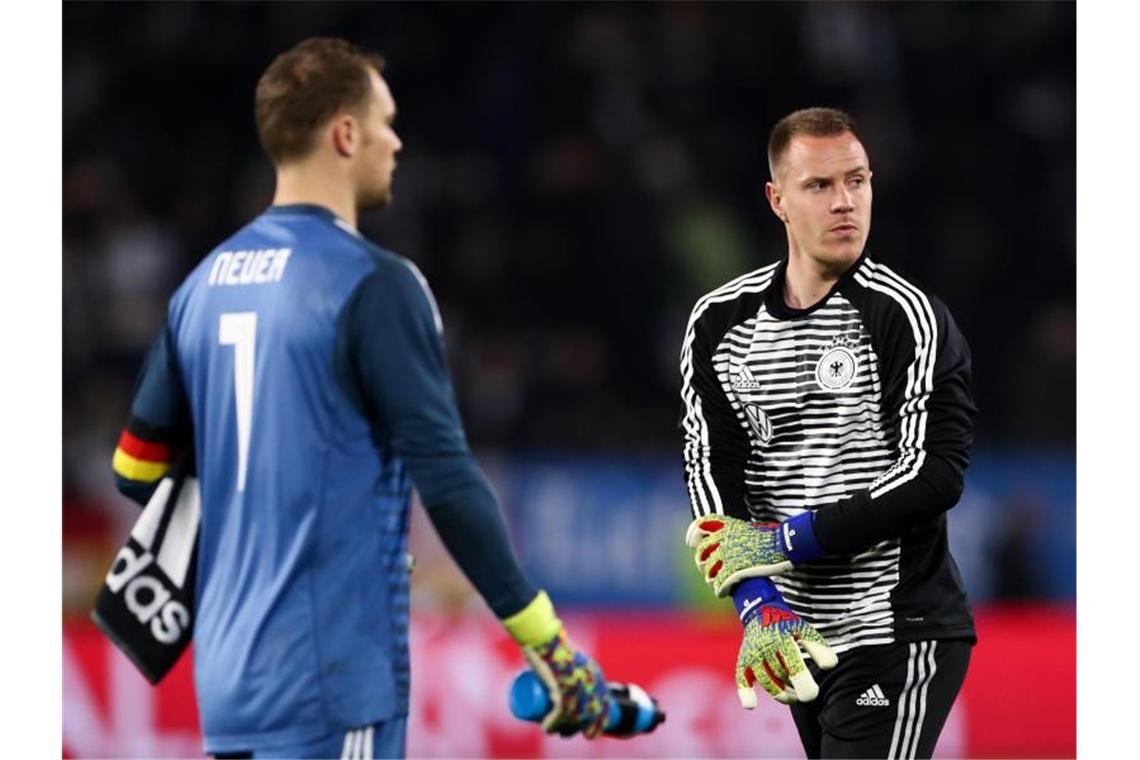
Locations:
307 365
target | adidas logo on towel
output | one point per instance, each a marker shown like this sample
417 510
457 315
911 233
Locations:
873 697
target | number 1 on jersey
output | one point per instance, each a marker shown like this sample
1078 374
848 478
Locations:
239 329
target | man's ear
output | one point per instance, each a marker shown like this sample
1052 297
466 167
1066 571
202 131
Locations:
345 135
776 201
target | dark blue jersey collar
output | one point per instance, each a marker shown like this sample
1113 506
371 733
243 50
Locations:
302 208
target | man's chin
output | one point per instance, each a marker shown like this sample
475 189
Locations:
373 201
847 249
838 258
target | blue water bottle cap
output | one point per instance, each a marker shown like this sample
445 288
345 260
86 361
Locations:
529 700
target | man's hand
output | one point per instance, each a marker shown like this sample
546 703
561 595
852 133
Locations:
728 549
578 694
577 689
770 652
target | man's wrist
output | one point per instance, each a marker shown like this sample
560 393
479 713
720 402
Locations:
751 594
798 539
535 624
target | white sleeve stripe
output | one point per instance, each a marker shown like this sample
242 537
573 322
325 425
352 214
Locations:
920 373
926 313
692 443
917 390
702 489
706 462
910 474
900 465
427 292
914 309
916 312
695 426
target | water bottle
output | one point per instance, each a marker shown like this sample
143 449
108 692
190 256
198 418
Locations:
632 711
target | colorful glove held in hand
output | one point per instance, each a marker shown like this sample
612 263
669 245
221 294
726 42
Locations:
578 694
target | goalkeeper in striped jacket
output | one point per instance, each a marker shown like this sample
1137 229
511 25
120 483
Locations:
827 424
305 366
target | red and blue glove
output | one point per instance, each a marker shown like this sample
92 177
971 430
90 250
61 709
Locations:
770 650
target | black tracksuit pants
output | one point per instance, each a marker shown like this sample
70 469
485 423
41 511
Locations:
886 701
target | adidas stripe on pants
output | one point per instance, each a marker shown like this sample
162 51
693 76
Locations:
883 701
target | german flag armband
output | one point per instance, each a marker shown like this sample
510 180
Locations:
145 452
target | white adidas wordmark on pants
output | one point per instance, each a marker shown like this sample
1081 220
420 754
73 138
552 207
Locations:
873 697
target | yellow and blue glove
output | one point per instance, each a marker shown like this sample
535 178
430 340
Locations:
729 550
770 651
578 695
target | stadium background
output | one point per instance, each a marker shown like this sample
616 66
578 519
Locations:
573 177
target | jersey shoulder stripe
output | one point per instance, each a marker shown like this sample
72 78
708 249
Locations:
751 282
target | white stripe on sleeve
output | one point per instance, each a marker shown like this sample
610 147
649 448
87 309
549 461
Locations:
702 489
920 374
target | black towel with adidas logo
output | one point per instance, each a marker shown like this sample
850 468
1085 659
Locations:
146 604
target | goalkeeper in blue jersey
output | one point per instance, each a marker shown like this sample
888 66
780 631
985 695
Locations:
305 367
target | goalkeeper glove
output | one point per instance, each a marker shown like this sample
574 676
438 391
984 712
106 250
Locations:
578 695
770 651
728 549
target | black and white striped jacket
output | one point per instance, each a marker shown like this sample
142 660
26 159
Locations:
858 408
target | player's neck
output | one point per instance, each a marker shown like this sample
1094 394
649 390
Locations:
807 281
308 184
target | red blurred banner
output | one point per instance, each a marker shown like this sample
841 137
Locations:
1019 699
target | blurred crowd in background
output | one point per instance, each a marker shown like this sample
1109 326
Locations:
573 177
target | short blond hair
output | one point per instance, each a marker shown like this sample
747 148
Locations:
817 122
